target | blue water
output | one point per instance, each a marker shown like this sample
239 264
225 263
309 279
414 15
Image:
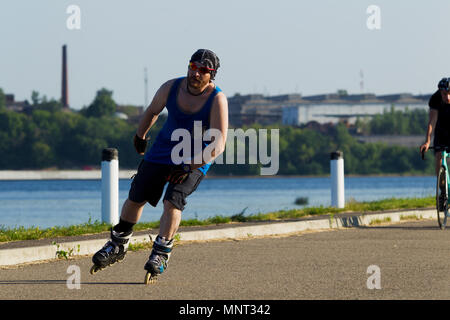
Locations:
66 202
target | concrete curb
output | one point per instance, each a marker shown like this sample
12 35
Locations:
9 257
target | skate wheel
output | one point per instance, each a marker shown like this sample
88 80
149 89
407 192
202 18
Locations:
94 269
149 278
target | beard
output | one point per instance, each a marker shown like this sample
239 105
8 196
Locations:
196 83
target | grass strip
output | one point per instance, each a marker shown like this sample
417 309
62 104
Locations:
35 233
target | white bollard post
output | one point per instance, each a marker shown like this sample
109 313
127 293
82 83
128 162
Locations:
337 180
110 186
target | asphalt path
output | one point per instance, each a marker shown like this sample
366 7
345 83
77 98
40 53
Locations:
401 261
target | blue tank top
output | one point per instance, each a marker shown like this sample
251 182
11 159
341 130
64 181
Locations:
161 150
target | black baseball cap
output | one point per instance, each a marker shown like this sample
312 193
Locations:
208 59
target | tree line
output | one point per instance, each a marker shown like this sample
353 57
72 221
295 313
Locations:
304 151
395 122
49 137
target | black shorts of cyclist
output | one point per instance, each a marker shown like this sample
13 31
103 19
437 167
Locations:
440 142
150 180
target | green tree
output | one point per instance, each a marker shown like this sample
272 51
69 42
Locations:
2 100
42 154
35 100
395 122
103 105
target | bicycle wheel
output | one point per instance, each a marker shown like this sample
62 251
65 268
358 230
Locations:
442 198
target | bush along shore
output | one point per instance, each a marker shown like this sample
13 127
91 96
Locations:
35 233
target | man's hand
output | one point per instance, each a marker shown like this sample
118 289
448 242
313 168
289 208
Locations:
424 148
139 144
179 173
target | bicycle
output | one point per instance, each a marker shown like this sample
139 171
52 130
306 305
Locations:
442 187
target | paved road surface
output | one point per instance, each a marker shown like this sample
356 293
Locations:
413 257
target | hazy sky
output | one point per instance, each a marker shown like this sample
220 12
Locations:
269 47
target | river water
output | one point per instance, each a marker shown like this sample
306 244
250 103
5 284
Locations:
47 203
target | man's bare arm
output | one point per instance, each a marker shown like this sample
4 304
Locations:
151 114
433 115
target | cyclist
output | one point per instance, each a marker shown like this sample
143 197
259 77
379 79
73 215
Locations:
439 121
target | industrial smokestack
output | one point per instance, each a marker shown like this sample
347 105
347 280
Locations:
64 87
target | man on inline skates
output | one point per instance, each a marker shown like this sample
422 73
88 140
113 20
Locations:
187 99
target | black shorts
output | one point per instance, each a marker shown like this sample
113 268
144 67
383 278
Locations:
440 142
148 185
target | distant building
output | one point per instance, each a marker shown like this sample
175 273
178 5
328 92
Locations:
18 106
293 109
255 108
121 115
129 112
334 108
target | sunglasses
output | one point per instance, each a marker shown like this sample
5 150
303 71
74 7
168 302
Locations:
203 70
